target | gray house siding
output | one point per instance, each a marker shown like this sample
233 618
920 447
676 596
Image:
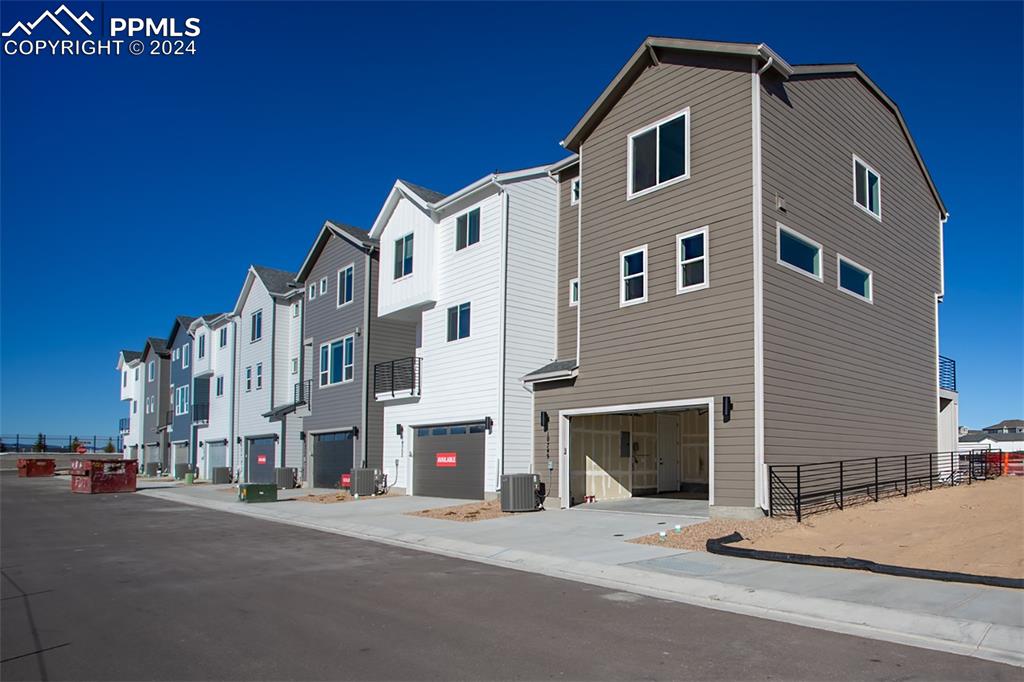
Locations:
389 339
336 407
673 347
567 234
181 424
843 377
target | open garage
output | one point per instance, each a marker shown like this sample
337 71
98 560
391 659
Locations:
654 454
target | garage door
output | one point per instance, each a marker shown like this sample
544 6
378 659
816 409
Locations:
448 461
217 455
332 457
260 464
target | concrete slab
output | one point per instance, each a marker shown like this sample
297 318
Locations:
668 506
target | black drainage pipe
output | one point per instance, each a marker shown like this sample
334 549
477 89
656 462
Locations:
723 546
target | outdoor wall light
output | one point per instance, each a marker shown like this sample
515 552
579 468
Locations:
239 440
277 438
399 430
726 408
489 424
302 435
544 420
355 432
201 443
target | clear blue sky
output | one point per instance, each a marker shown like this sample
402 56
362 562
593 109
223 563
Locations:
138 188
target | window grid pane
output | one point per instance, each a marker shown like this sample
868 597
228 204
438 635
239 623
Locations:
672 149
645 160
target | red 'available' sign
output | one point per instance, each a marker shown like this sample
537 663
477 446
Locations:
446 459
261 459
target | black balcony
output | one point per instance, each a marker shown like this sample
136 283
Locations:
200 413
124 424
947 373
397 377
302 389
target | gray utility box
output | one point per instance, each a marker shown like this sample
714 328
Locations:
180 470
287 477
220 475
151 468
364 482
521 493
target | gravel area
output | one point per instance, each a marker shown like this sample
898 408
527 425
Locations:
695 537
474 511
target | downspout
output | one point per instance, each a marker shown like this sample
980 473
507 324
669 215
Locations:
234 388
364 418
758 274
273 361
503 329
579 254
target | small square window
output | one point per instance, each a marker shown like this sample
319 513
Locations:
295 365
854 279
797 252
295 310
574 192
256 326
633 276
223 336
220 386
346 284
259 375
574 292
867 188
692 260
248 379
403 256
323 286
312 292
467 229
458 322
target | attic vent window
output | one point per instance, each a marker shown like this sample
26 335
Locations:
659 155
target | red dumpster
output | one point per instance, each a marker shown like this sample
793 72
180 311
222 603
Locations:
30 466
103 475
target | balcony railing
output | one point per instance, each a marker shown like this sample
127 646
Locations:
397 377
947 373
302 392
124 424
200 413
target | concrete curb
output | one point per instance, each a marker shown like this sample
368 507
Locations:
1000 643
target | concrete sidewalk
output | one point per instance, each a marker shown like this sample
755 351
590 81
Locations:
590 547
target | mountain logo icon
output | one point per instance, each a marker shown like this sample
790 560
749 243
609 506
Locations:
68 15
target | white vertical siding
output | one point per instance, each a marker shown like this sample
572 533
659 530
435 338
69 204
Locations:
530 319
421 286
134 393
220 427
252 405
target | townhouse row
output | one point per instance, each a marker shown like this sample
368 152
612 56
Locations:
739 264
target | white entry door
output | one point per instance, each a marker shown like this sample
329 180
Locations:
668 453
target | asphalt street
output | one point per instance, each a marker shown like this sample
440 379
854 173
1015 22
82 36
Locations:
126 587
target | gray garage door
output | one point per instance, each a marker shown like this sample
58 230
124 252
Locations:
448 461
332 457
261 461
217 454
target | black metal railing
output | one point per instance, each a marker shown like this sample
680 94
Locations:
124 424
397 376
947 373
200 413
802 489
42 442
302 391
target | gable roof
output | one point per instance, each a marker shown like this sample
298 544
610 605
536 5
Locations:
428 195
279 282
180 322
647 55
157 345
1007 424
980 436
130 355
357 237
208 320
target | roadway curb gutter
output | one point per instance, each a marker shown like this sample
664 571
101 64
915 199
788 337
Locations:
990 641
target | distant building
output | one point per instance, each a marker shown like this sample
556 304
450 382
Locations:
1007 435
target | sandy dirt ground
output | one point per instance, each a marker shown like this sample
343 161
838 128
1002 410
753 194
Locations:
969 529
695 537
475 511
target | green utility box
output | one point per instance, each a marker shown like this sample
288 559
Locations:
257 492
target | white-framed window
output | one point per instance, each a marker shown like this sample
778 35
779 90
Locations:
798 252
124 378
659 155
867 188
223 336
186 354
574 191
248 379
467 229
135 407
633 276
295 365
854 279
337 361
323 286
181 400
312 292
459 321
256 326
201 346
136 377
175 354
151 371
346 284
295 309
403 256
574 292
259 375
692 271
219 386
